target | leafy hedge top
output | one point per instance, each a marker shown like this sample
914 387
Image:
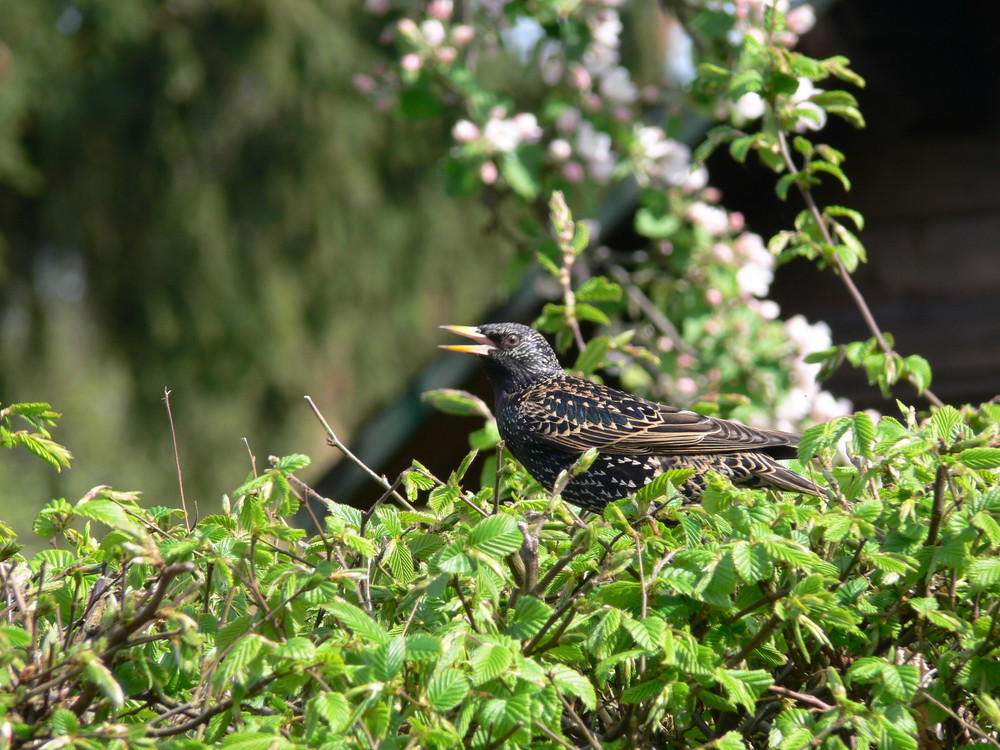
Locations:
440 620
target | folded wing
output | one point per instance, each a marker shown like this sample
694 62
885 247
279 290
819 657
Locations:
576 415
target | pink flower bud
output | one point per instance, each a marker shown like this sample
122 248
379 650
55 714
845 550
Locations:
685 360
407 27
377 7
560 150
573 171
465 131
687 386
800 20
364 84
488 173
714 297
580 77
440 9
411 62
446 55
462 35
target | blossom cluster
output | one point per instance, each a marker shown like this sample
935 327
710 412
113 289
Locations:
588 129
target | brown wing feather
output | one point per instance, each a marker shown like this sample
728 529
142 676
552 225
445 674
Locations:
575 414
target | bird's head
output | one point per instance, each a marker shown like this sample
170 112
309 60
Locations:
514 355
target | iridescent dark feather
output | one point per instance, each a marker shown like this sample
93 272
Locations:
548 418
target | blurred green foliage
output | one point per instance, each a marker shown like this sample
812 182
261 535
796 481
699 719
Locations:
193 196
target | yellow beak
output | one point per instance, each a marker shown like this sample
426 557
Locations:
482 348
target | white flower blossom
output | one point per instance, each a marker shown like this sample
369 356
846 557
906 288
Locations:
801 20
432 30
502 135
522 37
465 131
594 146
662 159
754 280
747 108
711 218
617 86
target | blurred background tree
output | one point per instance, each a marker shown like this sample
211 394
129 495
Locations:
193 196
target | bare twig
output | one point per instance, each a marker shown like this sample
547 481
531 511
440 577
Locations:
812 700
336 443
177 458
842 271
584 729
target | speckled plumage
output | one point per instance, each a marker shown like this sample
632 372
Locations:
548 418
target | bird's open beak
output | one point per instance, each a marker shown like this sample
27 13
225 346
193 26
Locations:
482 348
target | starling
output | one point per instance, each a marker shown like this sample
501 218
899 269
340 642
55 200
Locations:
549 418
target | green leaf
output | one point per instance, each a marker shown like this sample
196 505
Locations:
251 741
570 681
294 462
388 658
333 708
901 680
751 561
864 434
644 691
357 620
945 419
422 647
656 226
233 629
106 511
984 571
96 673
446 689
496 536
488 662
529 616
585 311
919 370
593 355
400 561
517 175
64 721
456 402
296 649
980 458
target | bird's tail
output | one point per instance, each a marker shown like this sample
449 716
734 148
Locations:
777 476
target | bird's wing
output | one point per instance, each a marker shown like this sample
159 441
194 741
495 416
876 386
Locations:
574 414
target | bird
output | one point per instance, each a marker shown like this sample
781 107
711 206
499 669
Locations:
549 418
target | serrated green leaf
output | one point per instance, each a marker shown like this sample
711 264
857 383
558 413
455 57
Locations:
919 370
901 680
97 674
357 620
333 708
984 571
294 462
64 721
593 355
422 647
388 516
864 434
296 648
528 617
496 536
388 658
644 691
599 289
234 629
446 689
250 741
488 662
570 681
980 458
400 561
750 561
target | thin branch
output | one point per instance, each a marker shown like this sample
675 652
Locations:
177 458
584 729
762 635
465 605
336 443
812 700
655 316
842 271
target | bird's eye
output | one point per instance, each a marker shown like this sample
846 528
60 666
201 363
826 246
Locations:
511 340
